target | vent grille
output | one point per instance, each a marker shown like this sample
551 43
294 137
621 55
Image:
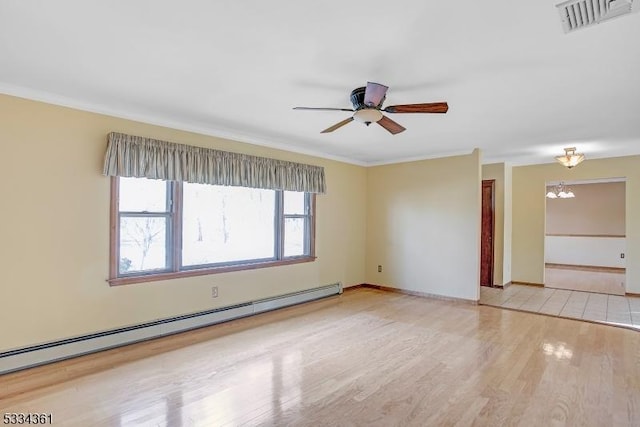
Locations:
576 14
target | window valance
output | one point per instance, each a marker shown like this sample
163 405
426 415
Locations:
135 156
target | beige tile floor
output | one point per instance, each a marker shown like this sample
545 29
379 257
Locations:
601 308
585 279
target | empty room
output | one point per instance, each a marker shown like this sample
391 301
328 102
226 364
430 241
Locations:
329 213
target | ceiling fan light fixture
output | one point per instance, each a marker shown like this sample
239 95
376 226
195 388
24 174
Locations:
368 115
570 159
367 108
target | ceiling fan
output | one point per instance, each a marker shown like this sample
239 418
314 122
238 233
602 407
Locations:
367 108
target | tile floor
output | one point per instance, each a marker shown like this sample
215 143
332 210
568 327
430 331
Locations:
585 279
609 309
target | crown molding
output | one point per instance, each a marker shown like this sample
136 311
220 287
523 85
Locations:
234 135
238 136
419 158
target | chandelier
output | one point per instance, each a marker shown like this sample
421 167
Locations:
560 191
571 158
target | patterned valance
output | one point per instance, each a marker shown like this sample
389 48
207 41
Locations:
135 156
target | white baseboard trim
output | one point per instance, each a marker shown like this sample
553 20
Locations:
27 357
417 293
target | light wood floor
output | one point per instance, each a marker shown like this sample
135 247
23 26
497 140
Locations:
367 358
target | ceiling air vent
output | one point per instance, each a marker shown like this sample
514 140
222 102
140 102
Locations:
576 14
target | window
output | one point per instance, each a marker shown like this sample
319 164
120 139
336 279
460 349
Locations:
166 229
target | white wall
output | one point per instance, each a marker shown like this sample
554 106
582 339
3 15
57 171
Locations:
423 226
508 223
585 251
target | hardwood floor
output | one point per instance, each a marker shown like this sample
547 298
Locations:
367 357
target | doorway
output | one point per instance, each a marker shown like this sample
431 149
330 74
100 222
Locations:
487 231
585 236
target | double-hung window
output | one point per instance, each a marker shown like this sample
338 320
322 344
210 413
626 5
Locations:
167 229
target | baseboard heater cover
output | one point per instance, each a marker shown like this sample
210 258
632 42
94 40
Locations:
14 360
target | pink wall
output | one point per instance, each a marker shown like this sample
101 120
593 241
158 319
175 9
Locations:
597 209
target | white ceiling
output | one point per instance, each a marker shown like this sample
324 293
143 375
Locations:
517 86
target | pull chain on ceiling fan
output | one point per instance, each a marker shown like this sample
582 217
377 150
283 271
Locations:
367 108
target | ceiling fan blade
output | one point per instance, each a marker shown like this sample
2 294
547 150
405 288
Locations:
374 94
337 125
432 107
390 125
322 109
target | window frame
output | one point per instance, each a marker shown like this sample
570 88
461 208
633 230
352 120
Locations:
175 269
306 217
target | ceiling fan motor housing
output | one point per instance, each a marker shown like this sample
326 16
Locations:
364 113
357 99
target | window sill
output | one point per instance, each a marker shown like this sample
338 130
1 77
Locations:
204 271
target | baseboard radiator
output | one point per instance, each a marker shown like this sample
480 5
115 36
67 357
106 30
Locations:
28 357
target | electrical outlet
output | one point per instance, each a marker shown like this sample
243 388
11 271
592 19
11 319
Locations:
379 269
214 292
622 255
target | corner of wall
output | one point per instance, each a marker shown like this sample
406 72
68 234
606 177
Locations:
508 221
426 236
